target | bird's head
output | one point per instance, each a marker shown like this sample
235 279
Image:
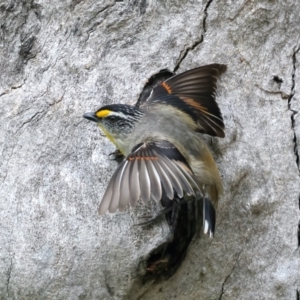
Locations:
116 121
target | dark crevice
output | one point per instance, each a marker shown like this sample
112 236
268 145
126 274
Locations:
163 261
295 143
7 162
8 278
90 21
277 79
186 50
43 112
74 3
13 88
298 234
108 288
294 113
100 11
205 14
29 120
58 101
228 276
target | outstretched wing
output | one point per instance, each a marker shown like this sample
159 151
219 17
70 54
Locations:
194 93
151 169
152 82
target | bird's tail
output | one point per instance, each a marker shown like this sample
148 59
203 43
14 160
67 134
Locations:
209 217
210 202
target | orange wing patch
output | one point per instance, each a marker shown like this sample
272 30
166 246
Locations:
167 87
194 104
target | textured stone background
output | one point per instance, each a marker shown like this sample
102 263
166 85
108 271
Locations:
59 59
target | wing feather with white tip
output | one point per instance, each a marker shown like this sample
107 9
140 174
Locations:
151 169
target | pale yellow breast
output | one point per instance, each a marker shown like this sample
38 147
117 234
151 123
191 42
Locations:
114 140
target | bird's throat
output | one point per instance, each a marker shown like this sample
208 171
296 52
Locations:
111 138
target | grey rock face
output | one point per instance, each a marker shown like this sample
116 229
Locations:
60 59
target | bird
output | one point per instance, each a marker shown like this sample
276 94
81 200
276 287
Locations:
160 138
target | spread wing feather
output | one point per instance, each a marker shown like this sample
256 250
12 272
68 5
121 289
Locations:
153 168
172 172
145 182
104 205
124 200
155 182
165 180
114 204
193 92
134 184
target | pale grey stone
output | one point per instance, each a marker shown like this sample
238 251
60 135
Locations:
60 59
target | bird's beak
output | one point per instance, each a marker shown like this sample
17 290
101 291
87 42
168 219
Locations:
91 116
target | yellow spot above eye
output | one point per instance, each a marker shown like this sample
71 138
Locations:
103 113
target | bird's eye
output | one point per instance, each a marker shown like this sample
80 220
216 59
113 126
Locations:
113 119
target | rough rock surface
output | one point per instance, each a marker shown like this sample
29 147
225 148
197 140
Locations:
60 59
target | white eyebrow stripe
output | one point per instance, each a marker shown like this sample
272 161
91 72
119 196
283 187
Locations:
117 114
124 116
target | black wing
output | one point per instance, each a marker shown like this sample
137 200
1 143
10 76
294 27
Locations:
152 82
151 169
194 93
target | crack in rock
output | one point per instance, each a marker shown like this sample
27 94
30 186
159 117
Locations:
294 113
42 112
96 24
8 277
10 267
7 162
56 102
228 276
187 49
13 88
30 119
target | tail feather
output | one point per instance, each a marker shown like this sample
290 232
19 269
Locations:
209 217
